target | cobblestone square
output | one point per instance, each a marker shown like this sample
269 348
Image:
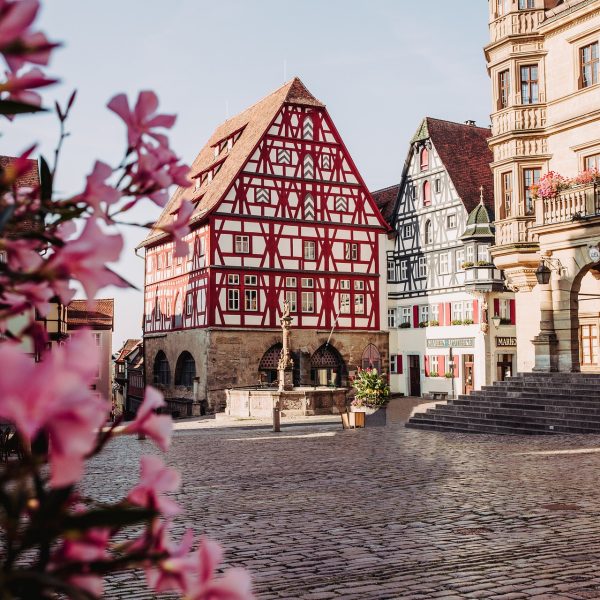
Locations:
317 512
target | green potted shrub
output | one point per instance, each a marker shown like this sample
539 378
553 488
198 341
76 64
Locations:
457 322
404 325
433 374
468 264
449 375
434 323
372 395
467 322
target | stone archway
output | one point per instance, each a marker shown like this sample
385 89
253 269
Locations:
327 367
584 309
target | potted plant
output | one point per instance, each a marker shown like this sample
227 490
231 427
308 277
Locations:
449 375
467 264
372 395
405 325
423 323
434 323
467 322
457 322
433 374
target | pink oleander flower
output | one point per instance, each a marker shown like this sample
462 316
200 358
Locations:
19 45
54 396
85 258
157 427
235 584
25 295
19 87
156 479
180 227
97 191
177 571
142 119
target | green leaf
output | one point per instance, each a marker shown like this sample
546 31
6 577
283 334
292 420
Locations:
46 180
11 107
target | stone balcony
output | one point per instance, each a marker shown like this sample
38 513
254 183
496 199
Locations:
574 204
514 231
518 118
523 22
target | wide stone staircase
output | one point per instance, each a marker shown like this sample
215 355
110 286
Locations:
529 403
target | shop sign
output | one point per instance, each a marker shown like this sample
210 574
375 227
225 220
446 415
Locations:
451 343
503 341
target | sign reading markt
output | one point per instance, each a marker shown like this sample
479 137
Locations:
451 343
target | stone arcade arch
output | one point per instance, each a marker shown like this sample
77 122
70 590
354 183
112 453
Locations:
185 370
327 367
371 358
161 370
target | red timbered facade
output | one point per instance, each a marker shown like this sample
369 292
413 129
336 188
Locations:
281 214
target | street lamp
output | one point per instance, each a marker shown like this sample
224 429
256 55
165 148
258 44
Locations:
542 274
497 320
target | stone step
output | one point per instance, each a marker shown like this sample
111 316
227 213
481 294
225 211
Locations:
590 408
529 400
466 427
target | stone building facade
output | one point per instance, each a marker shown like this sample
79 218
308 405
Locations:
543 60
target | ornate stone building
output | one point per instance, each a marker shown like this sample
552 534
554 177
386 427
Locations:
443 291
282 213
543 61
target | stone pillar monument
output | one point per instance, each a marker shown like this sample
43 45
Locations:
285 367
546 342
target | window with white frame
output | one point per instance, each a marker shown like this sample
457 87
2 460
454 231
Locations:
407 231
242 244
391 318
359 304
413 192
482 253
469 253
435 312
359 284
405 315
250 280
251 300
345 284
444 263
344 303
505 308
434 364
457 311
460 259
233 279
290 282
391 270
308 282
403 270
438 185
350 251
189 300
423 313
422 267
310 250
291 298
468 310
451 221
308 302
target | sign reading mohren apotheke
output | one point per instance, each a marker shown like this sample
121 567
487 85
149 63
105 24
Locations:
451 343
505 341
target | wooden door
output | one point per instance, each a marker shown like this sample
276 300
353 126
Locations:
469 374
414 374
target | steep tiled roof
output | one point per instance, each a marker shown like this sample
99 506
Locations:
128 347
95 314
251 125
465 153
30 179
386 201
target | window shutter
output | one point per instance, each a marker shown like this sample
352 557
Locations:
496 307
415 316
475 311
441 366
455 369
448 313
513 312
426 366
399 363
441 315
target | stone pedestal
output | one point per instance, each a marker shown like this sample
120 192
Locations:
286 379
546 356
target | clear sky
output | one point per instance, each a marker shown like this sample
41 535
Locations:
380 66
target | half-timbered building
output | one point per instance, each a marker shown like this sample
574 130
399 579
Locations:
443 290
281 213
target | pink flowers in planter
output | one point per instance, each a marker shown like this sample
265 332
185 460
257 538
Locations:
552 183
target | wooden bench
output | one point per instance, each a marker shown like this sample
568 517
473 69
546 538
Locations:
438 395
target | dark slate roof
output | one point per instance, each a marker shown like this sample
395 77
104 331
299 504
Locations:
386 201
95 314
465 153
479 224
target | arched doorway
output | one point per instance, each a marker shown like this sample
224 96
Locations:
267 367
161 371
585 320
371 359
185 370
327 367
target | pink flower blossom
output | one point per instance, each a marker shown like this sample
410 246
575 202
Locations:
179 228
147 422
85 258
235 584
25 295
143 118
19 87
155 479
97 191
54 396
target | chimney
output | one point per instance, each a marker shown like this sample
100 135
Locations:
470 123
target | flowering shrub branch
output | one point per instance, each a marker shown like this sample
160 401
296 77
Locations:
53 540
372 389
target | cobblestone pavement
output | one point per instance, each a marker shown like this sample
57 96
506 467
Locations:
316 512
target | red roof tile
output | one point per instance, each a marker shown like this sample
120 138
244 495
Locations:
386 201
128 347
95 314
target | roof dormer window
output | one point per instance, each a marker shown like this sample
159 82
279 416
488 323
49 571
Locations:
424 159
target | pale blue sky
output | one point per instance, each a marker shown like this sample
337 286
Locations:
378 65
